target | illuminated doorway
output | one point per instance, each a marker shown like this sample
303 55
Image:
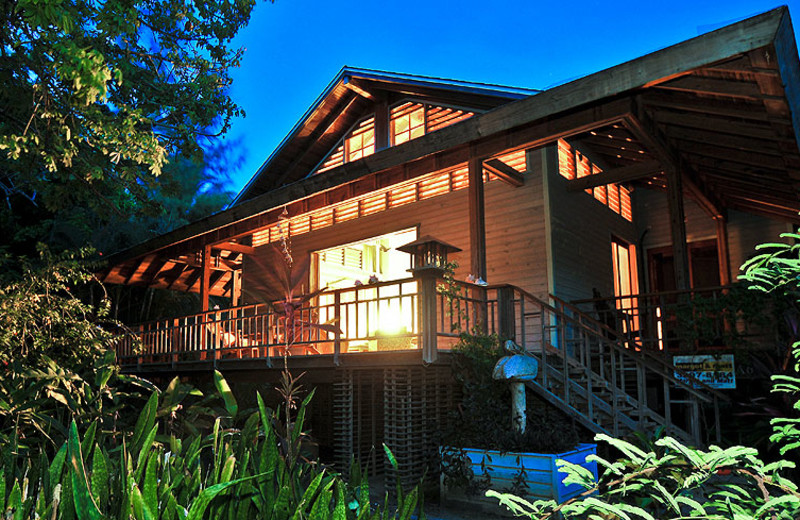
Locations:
365 292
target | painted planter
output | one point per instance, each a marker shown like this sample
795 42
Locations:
542 479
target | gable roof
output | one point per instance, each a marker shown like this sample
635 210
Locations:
716 92
346 99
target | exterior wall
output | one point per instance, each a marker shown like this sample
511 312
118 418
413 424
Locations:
745 231
514 232
581 230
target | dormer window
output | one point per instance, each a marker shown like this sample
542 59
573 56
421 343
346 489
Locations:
361 142
407 122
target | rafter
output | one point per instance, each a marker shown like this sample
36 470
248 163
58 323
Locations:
617 175
504 172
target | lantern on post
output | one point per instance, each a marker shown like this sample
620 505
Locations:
428 263
428 256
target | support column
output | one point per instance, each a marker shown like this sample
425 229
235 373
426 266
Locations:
723 253
381 125
477 221
205 278
678 228
236 287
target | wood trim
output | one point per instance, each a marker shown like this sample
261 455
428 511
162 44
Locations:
237 248
205 278
615 176
504 172
477 218
390 166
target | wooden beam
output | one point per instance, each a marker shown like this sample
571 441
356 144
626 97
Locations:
238 248
354 85
716 124
433 152
648 135
723 252
689 103
205 278
677 226
617 175
714 86
319 132
477 221
504 172
381 124
713 208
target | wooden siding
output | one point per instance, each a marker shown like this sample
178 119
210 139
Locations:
514 232
745 231
581 232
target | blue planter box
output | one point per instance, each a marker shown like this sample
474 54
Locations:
543 480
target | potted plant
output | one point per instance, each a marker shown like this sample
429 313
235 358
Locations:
483 450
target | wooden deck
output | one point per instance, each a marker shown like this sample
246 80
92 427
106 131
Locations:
368 325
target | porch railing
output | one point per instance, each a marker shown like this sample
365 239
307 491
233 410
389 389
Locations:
378 317
674 320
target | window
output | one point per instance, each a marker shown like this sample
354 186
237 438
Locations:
406 122
371 315
626 283
361 143
572 164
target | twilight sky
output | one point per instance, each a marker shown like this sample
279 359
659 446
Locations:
294 48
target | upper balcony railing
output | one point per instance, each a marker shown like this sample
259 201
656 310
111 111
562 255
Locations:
379 317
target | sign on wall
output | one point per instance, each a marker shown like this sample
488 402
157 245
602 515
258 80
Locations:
717 371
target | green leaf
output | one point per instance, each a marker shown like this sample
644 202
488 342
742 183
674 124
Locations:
390 456
227 395
100 482
150 489
144 424
85 506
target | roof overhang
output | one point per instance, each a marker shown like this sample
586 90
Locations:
745 78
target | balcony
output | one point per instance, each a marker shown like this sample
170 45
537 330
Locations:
382 317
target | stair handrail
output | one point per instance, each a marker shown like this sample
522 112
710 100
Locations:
662 367
669 369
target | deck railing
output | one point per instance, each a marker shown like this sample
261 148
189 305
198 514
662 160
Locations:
673 320
379 317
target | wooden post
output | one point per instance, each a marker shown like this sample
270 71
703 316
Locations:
678 228
236 287
381 125
723 253
427 317
477 222
506 322
205 278
337 338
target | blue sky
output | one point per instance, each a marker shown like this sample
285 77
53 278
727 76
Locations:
294 48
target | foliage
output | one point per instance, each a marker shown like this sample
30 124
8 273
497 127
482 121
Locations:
671 480
229 472
98 94
40 315
480 421
54 354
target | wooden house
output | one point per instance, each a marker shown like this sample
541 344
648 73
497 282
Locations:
587 209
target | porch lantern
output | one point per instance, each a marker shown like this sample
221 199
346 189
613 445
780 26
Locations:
428 255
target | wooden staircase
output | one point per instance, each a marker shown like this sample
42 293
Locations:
608 383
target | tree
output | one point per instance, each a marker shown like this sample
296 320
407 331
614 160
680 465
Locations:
97 95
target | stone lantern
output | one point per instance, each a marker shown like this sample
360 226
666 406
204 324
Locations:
428 256
428 263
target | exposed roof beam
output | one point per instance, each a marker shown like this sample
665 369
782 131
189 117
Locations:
504 172
688 103
715 124
714 86
356 87
648 135
436 151
315 136
237 248
617 175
